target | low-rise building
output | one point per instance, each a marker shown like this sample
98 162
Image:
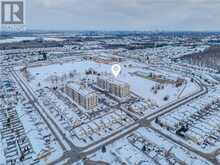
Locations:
83 96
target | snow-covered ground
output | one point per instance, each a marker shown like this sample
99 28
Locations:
121 152
59 120
42 140
19 39
53 39
2 158
138 85
16 39
80 129
158 150
100 128
202 119
165 51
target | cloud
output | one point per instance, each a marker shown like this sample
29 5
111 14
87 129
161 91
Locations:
125 14
51 4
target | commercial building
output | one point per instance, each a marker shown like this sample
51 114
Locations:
115 87
83 96
108 59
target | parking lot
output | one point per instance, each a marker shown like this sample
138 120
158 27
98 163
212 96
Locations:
80 126
100 128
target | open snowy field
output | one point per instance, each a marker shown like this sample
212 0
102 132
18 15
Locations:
16 39
140 86
19 39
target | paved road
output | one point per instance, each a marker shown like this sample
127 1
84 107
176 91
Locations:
76 153
166 109
146 122
209 157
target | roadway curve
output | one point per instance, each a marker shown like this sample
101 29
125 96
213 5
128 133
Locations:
75 153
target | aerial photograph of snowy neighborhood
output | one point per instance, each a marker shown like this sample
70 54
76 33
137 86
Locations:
113 86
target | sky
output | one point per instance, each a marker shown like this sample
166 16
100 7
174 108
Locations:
192 15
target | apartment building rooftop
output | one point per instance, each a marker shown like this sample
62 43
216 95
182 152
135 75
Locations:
82 90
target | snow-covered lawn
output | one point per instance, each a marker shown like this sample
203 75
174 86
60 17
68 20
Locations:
202 119
119 152
158 150
41 138
138 85
174 150
97 129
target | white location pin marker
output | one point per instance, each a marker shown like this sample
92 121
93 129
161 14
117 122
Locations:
116 69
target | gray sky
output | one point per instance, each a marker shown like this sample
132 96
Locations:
123 14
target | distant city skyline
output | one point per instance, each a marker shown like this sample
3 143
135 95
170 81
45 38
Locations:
147 15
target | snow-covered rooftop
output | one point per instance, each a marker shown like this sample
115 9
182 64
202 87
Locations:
114 81
82 90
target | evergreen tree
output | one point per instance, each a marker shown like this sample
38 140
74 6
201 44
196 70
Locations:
103 149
